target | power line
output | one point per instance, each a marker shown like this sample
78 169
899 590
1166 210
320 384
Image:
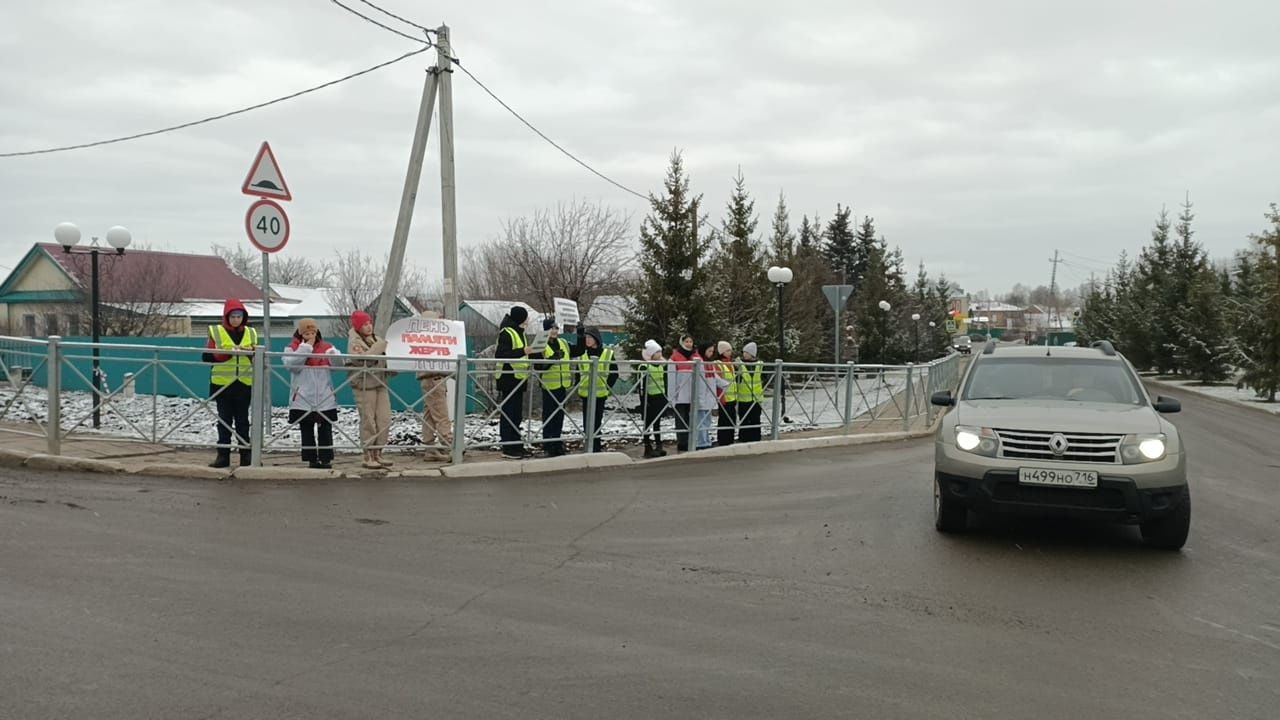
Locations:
542 135
1085 258
225 115
388 13
388 28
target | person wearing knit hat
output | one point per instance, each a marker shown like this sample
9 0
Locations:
749 375
369 383
727 419
653 388
555 375
591 352
312 405
512 379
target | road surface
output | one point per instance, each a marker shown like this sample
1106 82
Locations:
800 585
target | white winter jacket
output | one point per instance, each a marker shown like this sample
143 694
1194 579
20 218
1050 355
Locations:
311 377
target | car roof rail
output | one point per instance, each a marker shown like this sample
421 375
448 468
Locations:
990 347
1105 346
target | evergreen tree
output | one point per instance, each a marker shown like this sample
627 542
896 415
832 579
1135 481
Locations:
940 299
669 296
783 241
1258 313
1153 293
875 329
809 318
1204 346
740 298
840 247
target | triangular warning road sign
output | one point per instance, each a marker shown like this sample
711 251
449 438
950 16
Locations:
265 178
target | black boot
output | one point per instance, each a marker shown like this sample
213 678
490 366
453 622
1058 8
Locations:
246 458
222 459
659 450
648 450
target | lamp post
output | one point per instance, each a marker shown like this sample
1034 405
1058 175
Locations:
780 276
933 339
915 321
884 332
68 236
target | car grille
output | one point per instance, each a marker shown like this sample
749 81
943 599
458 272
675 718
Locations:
1081 447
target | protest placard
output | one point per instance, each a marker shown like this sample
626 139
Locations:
566 312
425 345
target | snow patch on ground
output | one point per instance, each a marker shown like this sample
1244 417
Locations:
1242 396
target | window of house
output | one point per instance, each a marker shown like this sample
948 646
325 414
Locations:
51 324
29 325
73 325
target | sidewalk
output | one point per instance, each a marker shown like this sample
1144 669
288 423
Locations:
89 454
1221 393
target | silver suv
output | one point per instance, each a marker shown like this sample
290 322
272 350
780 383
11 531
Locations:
1062 431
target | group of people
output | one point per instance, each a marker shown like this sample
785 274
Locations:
313 403
728 387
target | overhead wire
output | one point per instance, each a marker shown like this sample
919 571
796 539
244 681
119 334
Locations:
221 116
388 13
388 28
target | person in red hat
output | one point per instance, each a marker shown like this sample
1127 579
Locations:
231 380
369 382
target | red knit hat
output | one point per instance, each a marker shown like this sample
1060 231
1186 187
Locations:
359 318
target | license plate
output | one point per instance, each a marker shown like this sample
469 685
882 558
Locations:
1058 478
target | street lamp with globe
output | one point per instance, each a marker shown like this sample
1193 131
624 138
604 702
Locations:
884 330
780 276
915 322
68 236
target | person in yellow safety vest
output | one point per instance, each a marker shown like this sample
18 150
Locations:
556 376
727 422
590 349
750 377
653 388
512 380
231 380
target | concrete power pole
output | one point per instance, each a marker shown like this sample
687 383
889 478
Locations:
395 261
1053 289
448 190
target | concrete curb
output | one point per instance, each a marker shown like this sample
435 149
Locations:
284 473
72 464
1221 400
12 458
772 447
181 471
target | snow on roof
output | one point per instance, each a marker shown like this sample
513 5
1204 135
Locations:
293 302
495 310
995 307
608 311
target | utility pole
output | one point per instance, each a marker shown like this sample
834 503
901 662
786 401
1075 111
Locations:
1053 289
395 261
448 190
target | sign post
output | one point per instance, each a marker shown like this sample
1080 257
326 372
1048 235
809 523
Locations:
838 295
267 225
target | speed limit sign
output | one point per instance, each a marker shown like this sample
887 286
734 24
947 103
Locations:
267 225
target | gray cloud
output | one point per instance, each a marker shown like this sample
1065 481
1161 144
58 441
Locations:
981 135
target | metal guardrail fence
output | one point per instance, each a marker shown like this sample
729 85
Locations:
45 391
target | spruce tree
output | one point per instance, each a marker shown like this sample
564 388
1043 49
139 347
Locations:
1204 346
1153 293
782 242
669 296
839 245
1258 328
740 297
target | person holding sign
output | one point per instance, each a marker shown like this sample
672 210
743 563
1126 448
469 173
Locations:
511 381
437 431
591 352
312 404
557 378
369 381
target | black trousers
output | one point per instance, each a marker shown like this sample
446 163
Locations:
511 393
315 425
749 422
682 426
725 423
233 412
553 420
596 442
654 406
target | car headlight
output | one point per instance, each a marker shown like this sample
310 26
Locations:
977 440
1143 448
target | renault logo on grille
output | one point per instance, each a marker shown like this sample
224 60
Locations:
1058 443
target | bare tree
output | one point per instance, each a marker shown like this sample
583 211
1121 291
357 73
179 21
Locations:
578 250
285 270
356 281
140 294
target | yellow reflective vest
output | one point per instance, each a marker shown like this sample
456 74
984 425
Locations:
560 374
602 373
237 367
519 368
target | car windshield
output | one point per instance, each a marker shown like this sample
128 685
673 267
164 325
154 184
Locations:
962 340
1048 378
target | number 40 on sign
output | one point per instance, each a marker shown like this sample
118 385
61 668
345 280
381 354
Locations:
267 225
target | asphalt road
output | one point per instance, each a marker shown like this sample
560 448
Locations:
802 585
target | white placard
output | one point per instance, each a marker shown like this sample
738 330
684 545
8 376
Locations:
540 338
425 345
566 311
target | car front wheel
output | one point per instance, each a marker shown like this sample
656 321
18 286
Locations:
1170 532
948 515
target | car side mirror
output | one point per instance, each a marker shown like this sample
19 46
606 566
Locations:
1166 405
943 398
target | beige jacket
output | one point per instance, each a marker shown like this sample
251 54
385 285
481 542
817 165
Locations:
367 373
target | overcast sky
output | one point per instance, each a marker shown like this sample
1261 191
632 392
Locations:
981 135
